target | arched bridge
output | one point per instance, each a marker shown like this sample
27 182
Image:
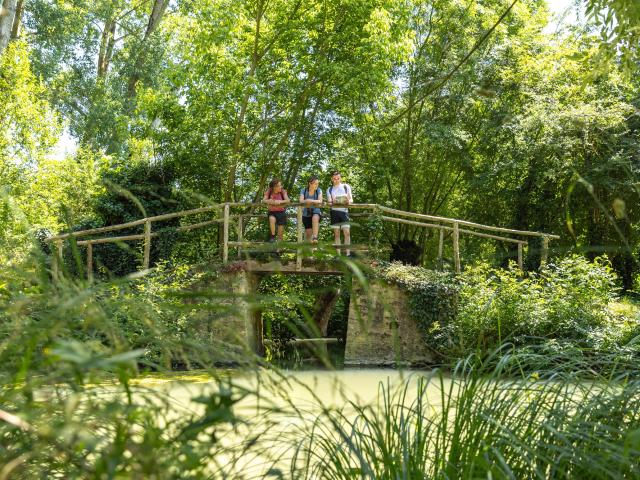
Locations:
380 330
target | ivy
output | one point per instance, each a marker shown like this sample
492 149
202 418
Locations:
433 295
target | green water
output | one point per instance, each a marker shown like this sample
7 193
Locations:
287 402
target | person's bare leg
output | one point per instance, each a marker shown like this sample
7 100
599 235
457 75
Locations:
315 225
347 238
336 238
307 234
272 225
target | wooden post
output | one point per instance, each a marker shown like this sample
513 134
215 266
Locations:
147 244
225 234
544 254
520 263
300 237
456 246
57 259
90 262
240 235
440 247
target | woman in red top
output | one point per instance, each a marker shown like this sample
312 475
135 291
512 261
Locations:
276 196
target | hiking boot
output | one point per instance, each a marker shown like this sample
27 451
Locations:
314 239
272 239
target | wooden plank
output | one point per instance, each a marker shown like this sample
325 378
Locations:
325 205
225 234
318 268
456 247
124 238
184 213
186 228
90 262
440 246
289 246
413 222
92 231
465 223
147 244
142 235
299 341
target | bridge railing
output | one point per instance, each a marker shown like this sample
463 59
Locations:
223 215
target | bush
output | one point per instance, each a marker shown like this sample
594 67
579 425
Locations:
565 305
433 295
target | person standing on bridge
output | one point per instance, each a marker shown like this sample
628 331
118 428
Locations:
338 195
311 197
276 197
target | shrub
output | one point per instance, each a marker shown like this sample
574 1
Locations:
565 305
433 295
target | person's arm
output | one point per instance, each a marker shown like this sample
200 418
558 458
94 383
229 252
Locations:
266 199
349 196
285 195
329 199
319 201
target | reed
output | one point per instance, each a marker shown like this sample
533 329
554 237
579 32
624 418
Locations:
485 420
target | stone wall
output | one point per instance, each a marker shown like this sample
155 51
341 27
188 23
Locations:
239 326
380 331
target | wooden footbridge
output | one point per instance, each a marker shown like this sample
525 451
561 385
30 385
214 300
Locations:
234 217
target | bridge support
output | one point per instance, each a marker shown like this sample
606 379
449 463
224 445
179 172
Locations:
240 326
380 331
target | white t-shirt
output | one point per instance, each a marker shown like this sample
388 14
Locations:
337 193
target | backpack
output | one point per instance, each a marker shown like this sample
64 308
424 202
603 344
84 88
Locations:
306 196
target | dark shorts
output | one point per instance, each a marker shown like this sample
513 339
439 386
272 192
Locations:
339 219
306 221
281 217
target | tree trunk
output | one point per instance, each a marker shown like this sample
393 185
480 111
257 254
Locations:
15 30
236 147
107 43
7 16
324 308
159 7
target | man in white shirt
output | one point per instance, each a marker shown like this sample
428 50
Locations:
339 194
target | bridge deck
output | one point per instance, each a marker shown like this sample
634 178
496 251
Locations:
308 268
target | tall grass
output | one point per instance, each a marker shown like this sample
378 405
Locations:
70 406
484 422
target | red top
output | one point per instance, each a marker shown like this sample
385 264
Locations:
276 196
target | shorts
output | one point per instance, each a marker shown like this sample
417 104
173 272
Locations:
339 219
281 217
306 221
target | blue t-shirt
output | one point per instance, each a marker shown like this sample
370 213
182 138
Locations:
307 212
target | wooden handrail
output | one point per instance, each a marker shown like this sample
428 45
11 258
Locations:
466 223
462 230
444 223
110 228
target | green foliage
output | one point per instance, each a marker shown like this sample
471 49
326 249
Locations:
619 23
288 309
71 404
563 307
433 295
